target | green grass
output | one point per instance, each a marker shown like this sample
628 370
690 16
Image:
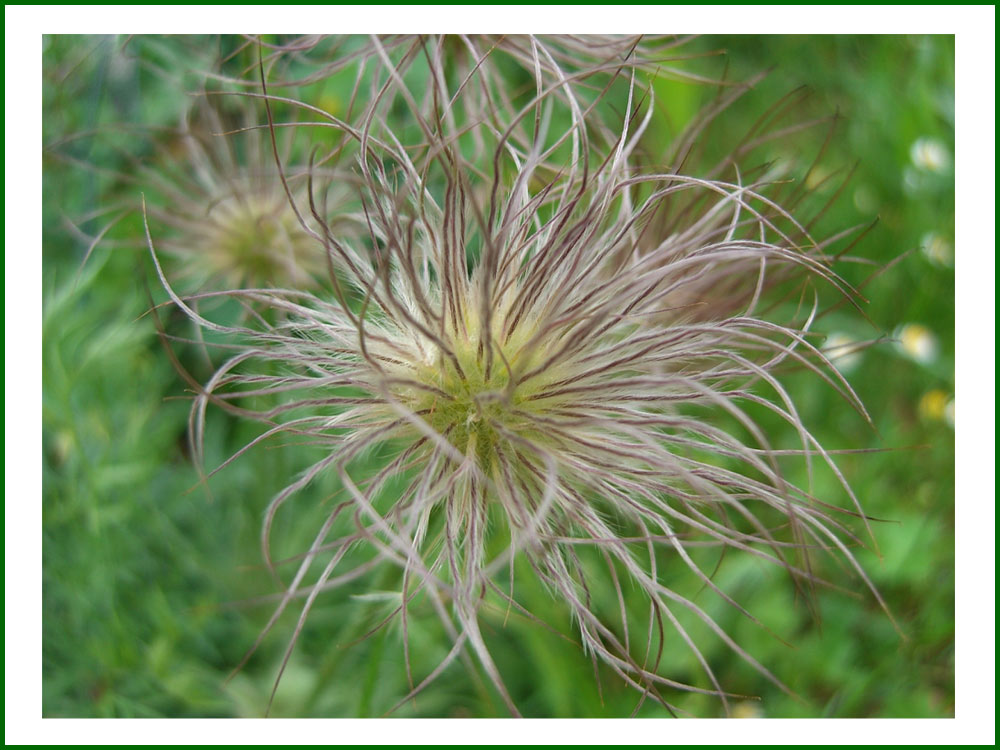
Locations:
142 577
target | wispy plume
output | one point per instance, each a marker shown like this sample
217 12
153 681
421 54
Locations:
558 353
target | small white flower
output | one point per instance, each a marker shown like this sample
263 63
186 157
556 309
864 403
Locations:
937 249
917 342
930 154
843 351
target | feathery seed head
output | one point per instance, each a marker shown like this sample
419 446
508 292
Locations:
533 340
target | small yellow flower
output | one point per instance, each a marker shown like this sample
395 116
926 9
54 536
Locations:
747 710
933 404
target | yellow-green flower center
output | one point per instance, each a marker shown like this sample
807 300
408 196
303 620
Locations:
258 239
476 402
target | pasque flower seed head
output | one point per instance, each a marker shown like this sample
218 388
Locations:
543 378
